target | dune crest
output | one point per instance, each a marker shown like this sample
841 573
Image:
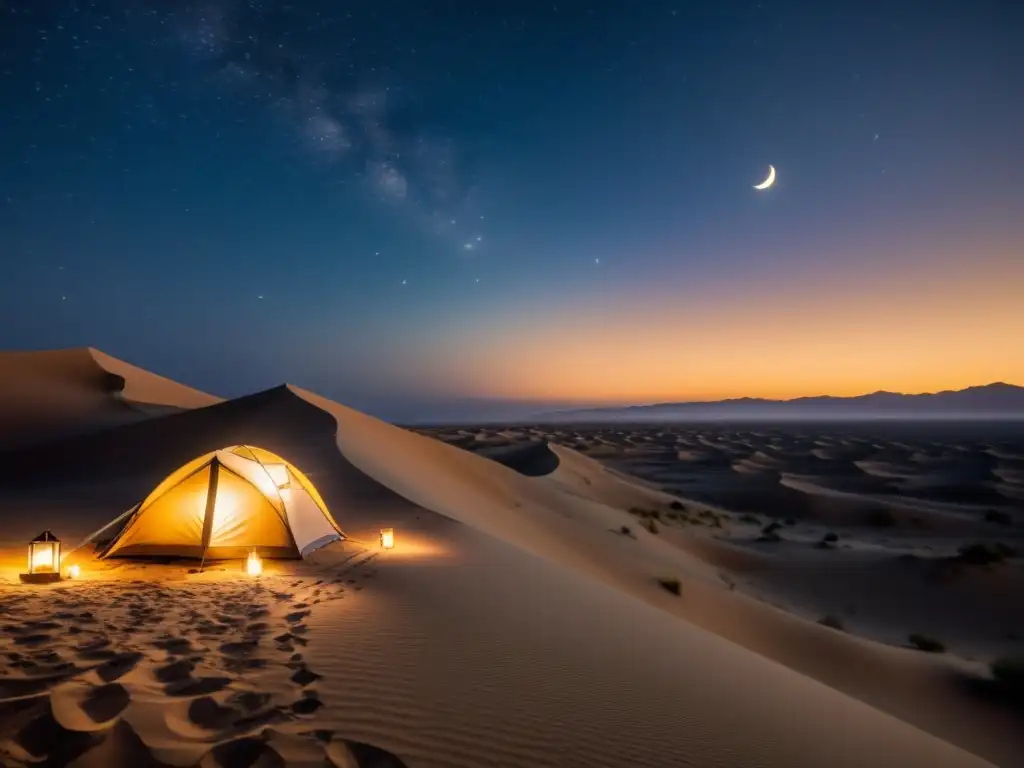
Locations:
51 394
529 599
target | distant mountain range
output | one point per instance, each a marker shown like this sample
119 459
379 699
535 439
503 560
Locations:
996 400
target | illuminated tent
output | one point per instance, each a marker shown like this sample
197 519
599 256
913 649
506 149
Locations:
225 504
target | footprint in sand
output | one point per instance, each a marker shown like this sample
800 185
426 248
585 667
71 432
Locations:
344 753
118 665
304 676
307 705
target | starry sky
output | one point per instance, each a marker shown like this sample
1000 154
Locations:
435 210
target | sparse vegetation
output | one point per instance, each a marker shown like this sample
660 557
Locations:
772 537
985 553
771 528
998 517
678 505
651 526
832 622
626 530
828 541
1009 673
752 519
671 585
925 643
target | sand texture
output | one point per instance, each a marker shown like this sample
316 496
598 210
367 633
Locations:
551 601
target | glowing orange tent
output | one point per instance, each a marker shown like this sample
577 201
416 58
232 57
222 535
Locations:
226 504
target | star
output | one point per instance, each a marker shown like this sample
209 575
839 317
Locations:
875 138
403 282
468 246
597 261
478 238
260 296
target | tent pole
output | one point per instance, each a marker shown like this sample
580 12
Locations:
211 505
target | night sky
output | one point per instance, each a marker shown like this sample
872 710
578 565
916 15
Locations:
431 209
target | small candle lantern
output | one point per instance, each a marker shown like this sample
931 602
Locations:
253 564
387 538
43 559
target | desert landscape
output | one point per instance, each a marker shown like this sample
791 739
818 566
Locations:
571 595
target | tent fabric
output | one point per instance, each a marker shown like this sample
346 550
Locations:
226 503
307 524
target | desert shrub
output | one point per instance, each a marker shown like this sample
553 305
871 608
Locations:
832 622
655 513
752 519
771 528
678 505
881 518
925 643
626 530
830 538
985 553
772 537
671 585
1009 672
651 526
998 517
638 511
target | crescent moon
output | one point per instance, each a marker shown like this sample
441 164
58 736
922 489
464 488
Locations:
769 181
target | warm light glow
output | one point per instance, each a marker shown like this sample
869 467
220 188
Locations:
278 473
41 558
837 334
74 571
387 537
253 564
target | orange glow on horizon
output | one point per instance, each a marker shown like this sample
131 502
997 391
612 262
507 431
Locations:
946 329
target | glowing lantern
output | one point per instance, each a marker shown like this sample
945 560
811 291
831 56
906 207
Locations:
387 538
253 564
43 559
74 572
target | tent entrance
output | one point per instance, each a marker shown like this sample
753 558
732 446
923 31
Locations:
226 504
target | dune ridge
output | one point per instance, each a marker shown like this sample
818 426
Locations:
517 623
51 394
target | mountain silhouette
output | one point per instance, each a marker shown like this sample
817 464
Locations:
997 400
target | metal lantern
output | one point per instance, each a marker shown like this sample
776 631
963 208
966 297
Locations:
43 559
387 538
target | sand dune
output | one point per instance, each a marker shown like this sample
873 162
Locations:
519 622
461 652
50 394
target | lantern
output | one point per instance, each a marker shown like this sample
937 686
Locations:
387 538
43 559
253 564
